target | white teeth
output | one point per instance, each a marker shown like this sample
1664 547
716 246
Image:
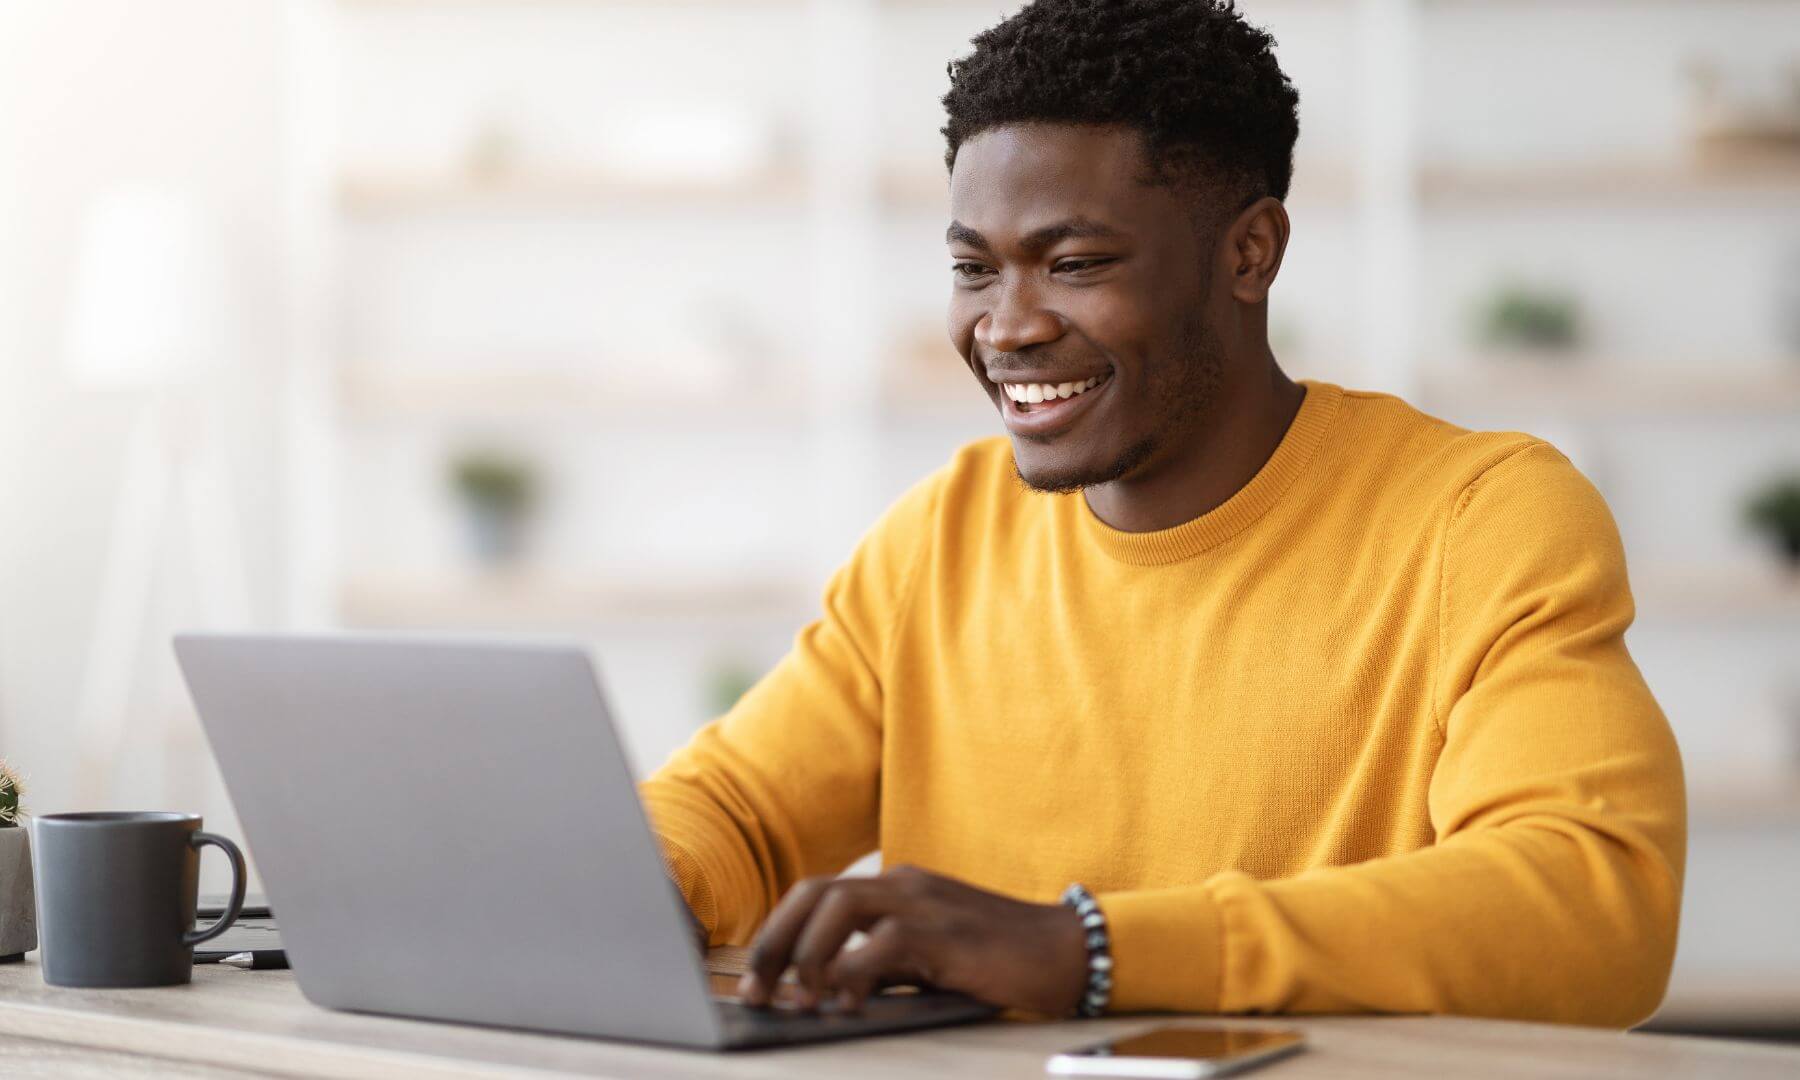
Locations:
1034 393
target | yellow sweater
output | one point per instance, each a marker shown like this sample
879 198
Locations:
1366 737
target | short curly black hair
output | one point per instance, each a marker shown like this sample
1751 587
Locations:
1199 83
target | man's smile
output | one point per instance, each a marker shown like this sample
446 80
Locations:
1032 393
1037 409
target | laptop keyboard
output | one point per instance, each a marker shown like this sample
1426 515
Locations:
726 963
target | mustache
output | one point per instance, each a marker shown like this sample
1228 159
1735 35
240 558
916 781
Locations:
994 369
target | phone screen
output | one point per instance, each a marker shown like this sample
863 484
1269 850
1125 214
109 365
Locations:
1194 1043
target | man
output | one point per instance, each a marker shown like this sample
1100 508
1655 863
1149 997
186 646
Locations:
1326 701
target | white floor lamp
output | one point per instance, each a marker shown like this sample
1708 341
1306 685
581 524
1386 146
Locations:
149 317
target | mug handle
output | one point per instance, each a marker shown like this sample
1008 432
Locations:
232 906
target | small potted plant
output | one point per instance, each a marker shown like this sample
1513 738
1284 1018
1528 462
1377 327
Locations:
18 914
1775 510
726 682
497 494
1537 320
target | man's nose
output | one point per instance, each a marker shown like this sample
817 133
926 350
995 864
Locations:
1016 320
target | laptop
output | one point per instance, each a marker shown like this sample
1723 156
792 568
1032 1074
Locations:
448 829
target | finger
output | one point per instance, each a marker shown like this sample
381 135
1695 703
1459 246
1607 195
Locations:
849 905
775 941
881 961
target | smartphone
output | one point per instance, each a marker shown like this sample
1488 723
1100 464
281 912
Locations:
1178 1053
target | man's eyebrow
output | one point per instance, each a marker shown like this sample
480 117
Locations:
1077 228
958 233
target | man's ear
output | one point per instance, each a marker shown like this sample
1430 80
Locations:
1254 245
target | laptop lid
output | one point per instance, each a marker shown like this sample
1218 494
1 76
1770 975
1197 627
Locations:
449 829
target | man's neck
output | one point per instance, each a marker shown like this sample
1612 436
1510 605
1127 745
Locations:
1247 423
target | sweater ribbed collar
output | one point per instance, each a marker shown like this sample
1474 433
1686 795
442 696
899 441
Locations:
1305 434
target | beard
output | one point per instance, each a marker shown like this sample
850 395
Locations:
1180 397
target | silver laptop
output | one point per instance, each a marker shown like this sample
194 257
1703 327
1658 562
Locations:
448 829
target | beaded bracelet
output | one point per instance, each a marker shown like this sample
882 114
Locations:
1099 950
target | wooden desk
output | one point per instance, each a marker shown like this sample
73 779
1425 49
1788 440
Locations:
231 1021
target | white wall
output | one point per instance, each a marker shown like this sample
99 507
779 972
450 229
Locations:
184 94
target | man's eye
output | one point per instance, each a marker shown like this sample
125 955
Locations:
968 270
1076 266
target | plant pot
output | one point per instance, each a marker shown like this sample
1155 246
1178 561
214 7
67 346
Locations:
495 534
18 911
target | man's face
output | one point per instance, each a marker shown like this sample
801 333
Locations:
1070 271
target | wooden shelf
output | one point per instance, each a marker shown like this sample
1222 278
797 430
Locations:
1528 4
369 193
1753 593
923 380
960 408
919 188
1717 802
525 598
547 397
1587 385
514 5
1456 186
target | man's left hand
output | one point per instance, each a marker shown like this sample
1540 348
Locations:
922 929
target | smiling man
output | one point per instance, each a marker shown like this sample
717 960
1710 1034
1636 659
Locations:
1319 703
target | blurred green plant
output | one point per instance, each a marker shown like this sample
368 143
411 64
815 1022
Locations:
497 491
1774 509
1517 315
726 682
494 481
11 788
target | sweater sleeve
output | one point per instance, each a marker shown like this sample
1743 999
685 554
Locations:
1553 889
786 784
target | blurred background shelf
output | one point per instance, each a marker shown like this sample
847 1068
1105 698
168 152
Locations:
1750 592
1586 384
1527 5
1775 177
536 397
546 599
369 194
515 5
424 5
1715 802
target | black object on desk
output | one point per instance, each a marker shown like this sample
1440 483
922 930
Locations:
258 960
254 935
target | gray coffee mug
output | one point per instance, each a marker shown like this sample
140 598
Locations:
116 893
